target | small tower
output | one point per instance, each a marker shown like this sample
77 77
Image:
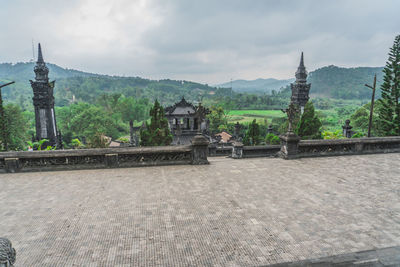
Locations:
300 88
43 101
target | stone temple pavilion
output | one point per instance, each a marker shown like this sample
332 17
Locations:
184 121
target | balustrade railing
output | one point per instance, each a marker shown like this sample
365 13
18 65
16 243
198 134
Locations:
105 158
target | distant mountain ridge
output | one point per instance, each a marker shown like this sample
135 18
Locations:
24 71
329 81
256 86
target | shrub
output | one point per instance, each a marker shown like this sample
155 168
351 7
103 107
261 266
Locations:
272 139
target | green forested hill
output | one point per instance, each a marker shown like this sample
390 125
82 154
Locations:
83 86
330 81
327 82
344 83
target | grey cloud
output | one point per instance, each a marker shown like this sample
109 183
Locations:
209 41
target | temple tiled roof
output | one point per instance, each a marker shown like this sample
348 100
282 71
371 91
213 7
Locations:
181 108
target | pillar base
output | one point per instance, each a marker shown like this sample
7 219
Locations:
199 150
289 146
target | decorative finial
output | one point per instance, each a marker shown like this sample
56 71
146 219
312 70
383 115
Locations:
301 73
302 60
40 69
40 56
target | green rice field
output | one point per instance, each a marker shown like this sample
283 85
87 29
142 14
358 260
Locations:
246 116
329 118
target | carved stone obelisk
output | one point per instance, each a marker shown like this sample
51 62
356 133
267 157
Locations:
300 88
43 101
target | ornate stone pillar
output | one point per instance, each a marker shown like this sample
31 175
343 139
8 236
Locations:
43 102
199 150
290 140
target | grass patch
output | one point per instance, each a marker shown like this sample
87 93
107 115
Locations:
247 116
329 117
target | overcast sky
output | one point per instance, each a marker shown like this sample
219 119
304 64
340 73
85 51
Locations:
208 41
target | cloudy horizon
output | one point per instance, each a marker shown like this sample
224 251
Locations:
208 41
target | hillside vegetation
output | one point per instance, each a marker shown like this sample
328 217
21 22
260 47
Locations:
72 85
344 83
330 81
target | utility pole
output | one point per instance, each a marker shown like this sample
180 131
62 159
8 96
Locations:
2 118
372 105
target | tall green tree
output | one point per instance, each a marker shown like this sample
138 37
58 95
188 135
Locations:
91 122
157 133
252 136
16 126
218 119
133 110
360 119
389 113
309 126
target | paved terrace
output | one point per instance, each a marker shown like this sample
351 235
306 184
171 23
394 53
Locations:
233 212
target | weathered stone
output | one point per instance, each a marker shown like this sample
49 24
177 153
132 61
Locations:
212 150
347 132
96 158
237 150
7 253
300 89
111 160
199 150
261 151
289 145
359 147
12 165
43 101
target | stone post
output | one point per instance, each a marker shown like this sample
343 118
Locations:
199 150
12 165
347 132
289 145
237 150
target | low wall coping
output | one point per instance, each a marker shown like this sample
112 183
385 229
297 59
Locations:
267 147
94 152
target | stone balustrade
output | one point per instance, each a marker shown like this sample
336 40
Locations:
260 151
195 154
104 158
352 146
214 151
292 148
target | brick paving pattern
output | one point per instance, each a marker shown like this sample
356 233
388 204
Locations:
247 212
